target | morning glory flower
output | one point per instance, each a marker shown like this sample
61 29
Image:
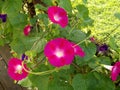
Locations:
103 48
27 30
24 57
115 70
15 69
59 52
3 17
58 15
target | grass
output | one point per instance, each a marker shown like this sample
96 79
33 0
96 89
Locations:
104 12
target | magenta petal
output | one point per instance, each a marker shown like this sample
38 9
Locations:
115 71
14 65
59 52
78 50
55 61
58 15
92 39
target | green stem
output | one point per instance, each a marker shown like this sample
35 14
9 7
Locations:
76 66
40 73
81 41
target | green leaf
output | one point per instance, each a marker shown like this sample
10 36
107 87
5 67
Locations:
16 4
25 82
112 43
48 2
63 75
39 45
19 21
41 82
103 81
92 81
66 4
89 49
83 11
44 18
1 42
59 84
96 61
118 88
76 36
22 44
79 82
1 5
83 14
85 1
66 67
60 79
33 20
12 7
64 32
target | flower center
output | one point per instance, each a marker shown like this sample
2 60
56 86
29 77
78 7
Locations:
59 53
56 17
19 69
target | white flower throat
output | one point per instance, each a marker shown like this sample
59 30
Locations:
56 17
18 69
59 53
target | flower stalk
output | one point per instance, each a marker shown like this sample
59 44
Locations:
40 73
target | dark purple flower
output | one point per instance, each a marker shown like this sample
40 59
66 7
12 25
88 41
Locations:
3 17
103 47
24 57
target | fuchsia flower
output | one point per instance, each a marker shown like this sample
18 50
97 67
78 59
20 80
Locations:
15 69
115 70
27 30
78 50
92 39
59 52
58 15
